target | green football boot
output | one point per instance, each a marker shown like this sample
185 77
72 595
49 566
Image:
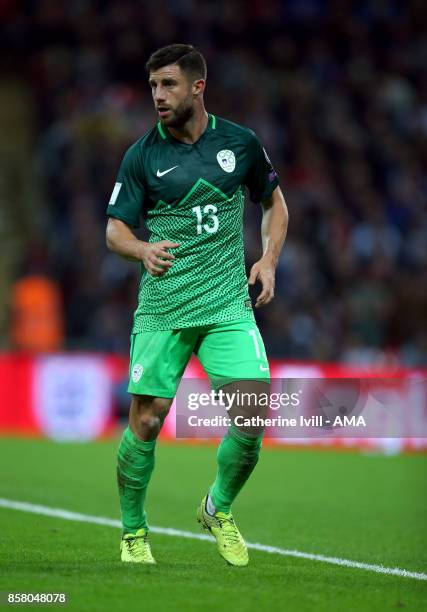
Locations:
231 545
135 548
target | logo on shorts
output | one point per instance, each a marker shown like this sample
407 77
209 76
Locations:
137 371
227 160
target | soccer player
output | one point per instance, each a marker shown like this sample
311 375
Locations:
187 177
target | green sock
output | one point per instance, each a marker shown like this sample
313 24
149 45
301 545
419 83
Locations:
134 468
237 456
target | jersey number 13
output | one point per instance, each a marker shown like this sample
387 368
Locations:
208 213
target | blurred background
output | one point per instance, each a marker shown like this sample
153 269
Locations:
337 92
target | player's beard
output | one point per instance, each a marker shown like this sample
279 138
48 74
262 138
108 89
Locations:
180 115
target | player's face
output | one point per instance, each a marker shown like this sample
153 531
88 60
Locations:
172 94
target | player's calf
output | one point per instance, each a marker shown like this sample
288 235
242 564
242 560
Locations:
135 464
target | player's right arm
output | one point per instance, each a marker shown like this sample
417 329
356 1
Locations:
154 255
124 212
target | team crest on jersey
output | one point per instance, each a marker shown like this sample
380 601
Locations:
137 371
227 160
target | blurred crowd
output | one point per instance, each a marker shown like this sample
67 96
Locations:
337 93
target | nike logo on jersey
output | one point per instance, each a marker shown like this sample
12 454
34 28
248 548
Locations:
159 174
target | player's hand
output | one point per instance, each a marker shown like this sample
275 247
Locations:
156 258
263 271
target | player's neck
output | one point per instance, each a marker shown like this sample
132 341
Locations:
193 129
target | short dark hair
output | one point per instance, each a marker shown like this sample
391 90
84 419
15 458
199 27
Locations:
187 57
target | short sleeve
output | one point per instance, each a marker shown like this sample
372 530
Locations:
261 179
127 198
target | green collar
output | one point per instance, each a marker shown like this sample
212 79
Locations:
164 133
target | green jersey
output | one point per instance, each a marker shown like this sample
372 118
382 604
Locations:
193 194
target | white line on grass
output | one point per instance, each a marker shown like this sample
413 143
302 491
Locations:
99 520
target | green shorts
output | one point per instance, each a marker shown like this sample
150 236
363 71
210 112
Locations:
228 352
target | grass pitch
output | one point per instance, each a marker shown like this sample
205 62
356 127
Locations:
365 508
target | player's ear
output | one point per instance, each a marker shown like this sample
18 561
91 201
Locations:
198 87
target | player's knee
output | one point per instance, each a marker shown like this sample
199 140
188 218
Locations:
161 406
149 423
249 436
148 414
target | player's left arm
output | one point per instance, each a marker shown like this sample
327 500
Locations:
273 233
